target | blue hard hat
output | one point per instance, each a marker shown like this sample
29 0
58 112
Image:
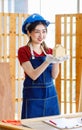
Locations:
33 18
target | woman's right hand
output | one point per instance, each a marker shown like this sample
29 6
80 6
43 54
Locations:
50 58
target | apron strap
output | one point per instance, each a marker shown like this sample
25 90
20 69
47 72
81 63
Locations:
43 50
32 53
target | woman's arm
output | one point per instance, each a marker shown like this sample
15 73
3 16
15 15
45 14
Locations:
34 73
55 70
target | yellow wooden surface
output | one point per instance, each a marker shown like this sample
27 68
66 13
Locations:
80 97
79 60
6 102
6 126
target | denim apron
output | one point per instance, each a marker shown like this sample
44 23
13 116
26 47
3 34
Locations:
39 96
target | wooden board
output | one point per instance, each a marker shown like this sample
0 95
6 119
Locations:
6 104
80 97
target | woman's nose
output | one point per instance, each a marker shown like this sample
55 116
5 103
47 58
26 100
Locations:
41 34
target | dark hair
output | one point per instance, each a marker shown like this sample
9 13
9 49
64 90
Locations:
32 26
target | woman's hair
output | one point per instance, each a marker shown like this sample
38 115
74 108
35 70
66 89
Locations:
31 27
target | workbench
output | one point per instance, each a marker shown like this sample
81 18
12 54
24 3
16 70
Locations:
39 124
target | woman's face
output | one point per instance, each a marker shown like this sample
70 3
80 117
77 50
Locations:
38 34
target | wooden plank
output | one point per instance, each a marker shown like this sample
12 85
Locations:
80 97
1 36
58 30
65 82
71 73
58 41
13 51
6 104
79 42
79 58
5 36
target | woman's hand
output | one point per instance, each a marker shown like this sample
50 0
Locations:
50 58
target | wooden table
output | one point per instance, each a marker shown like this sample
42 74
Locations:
38 123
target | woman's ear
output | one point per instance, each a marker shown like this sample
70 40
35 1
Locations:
28 33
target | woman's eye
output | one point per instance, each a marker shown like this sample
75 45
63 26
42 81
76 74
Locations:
37 31
44 31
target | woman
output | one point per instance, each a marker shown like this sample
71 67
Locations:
39 93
